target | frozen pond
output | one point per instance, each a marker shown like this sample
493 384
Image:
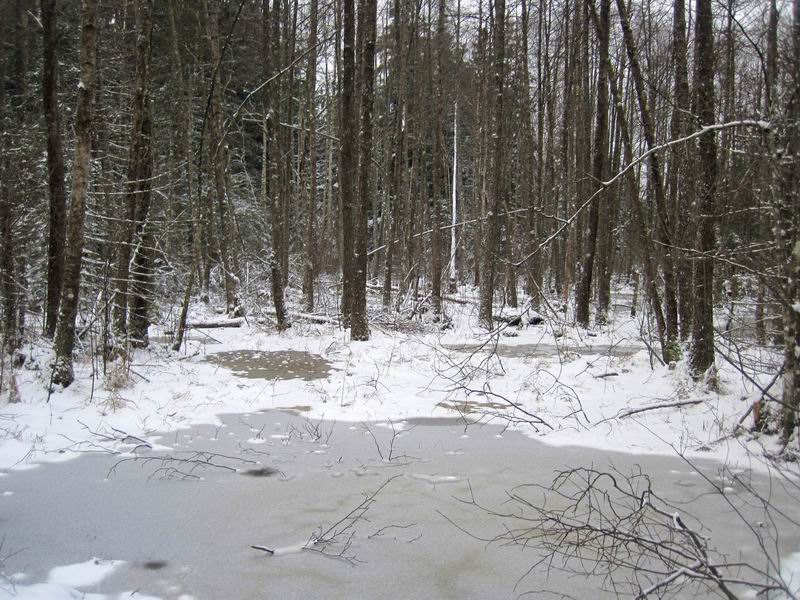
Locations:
185 528
282 364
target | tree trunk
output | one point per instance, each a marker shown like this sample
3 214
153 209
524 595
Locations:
438 165
140 172
359 328
270 176
8 281
632 185
584 293
655 176
492 229
702 357
398 159
347 158
218 159
55 167
310 164
65 332
788 229
680 186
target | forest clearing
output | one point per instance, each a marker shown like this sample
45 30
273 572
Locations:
419 299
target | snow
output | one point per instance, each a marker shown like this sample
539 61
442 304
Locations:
83 574
790 571
63 581
45 591
49 591
579 382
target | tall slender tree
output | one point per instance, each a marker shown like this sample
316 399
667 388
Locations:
81 171
55 165
309 161
359 328
347 157
702 356
492 230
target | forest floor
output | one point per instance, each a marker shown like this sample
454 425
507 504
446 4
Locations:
416 400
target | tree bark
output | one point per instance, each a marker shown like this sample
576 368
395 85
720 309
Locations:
140 172
65 332
788 229
492 229
55 167
438 166
584 294
359 328
310 164
702 356
347 158
270 176
218 159
398 159
656 178
678 181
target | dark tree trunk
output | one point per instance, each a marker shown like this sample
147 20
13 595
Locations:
788 228
492 228
8 282
398 160
438 165
81 166
55 168
347 158
359 328
702 357
218 159
270 175
140 172
309 162
584 292
655 176
680 186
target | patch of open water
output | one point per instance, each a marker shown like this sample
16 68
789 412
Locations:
281 364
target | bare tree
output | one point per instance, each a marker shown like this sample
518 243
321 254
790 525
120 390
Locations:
309 162
218 157
65 332
138 239
788 233
347 158
702 357
359 328
584 292
55 166
492 230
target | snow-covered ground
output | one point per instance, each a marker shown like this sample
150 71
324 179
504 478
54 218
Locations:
564 386
580 384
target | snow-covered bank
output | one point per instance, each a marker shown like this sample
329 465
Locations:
600 389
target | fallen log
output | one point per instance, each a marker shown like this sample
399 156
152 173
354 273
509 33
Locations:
216 324
302 316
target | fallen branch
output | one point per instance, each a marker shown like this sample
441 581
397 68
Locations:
302 316
340 533
237 322
636 411
604 375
